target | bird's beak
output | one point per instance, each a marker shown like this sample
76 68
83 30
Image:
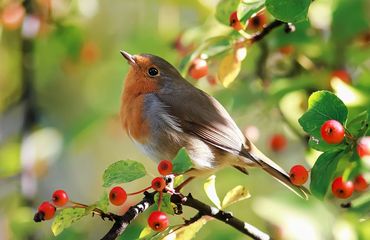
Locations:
130 59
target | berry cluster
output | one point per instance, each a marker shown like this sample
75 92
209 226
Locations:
47 209
255 23
344 189
333 132
157 220
199 66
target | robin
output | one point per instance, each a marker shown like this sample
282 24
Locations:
162 112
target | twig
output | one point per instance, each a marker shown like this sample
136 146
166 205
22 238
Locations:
225 217
261 64
260 35
31 114
121 222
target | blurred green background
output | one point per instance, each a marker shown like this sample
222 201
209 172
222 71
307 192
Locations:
61 77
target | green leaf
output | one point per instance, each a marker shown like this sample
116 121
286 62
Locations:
320 145
347 26
248 7
322 106
323 171
357 126
210 189
217 45
178 180
66 217
288 10
122 172
182 162
224 9
210 47
235 195
166 205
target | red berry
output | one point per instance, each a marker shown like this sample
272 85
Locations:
360 183
342 75
278 142
212 80
158 221
117 196
298 175
90 52
12 16
158 184
363 147
332 132
47 210
165 167
342 189
257 22
286 50
198 68
60 198
234 21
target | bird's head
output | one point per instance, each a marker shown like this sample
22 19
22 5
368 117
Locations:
148 68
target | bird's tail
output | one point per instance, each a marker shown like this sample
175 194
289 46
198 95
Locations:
273 169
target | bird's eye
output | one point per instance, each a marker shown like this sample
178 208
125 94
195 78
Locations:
153 71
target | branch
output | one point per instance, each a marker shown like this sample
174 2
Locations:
225 217
260 35
289 27
121 222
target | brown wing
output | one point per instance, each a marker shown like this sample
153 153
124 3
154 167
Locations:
203 116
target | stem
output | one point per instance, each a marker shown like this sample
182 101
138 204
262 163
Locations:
183 184
97 211
160 200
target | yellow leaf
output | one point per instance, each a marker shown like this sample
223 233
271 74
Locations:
210 189
187 232
145 232
240 54
236 194
228 70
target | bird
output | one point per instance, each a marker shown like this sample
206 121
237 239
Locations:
162 112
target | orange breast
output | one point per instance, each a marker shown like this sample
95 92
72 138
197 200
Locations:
132 105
